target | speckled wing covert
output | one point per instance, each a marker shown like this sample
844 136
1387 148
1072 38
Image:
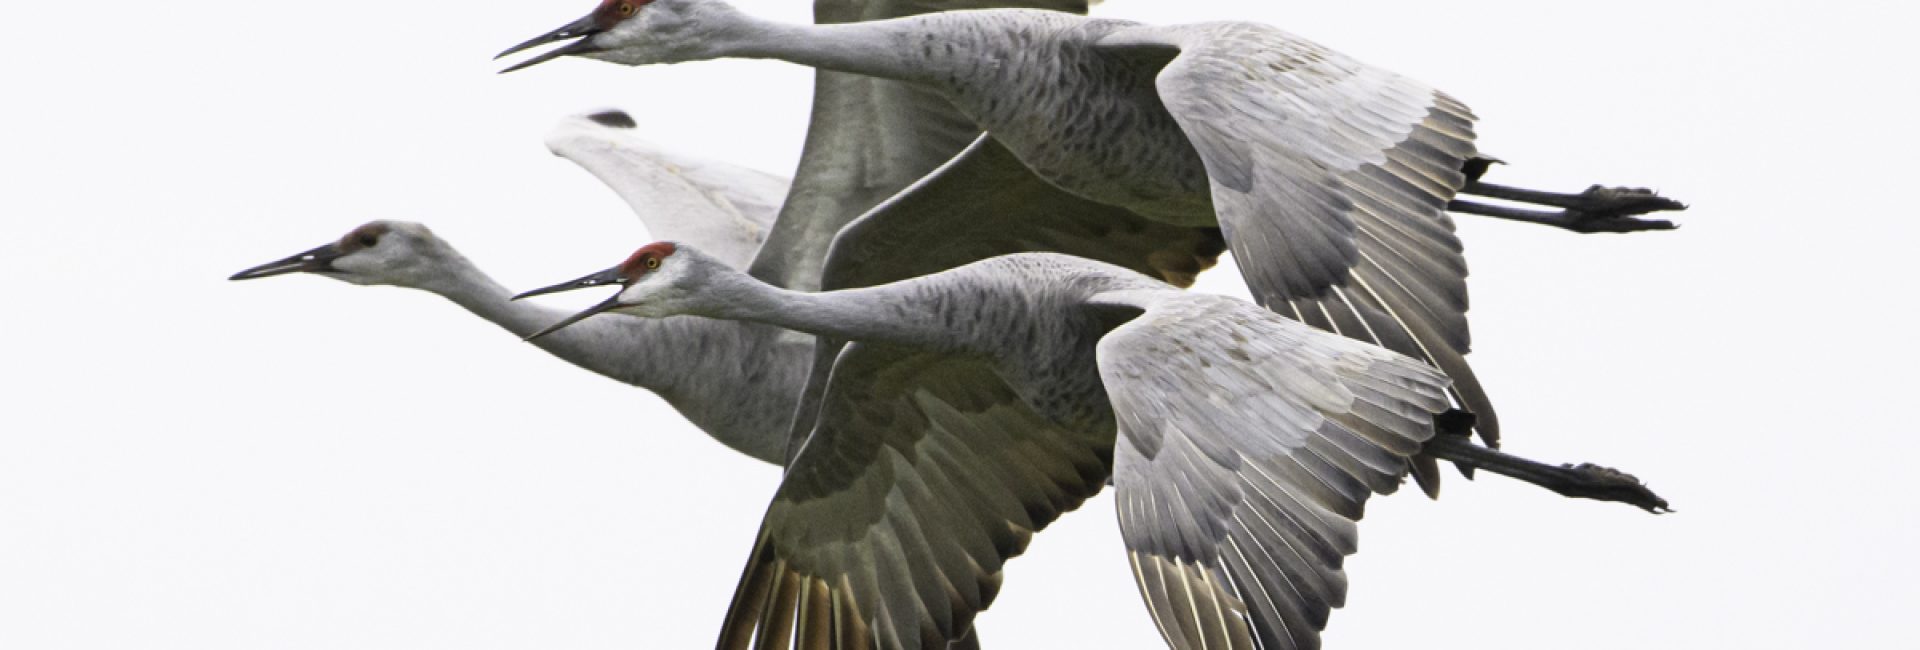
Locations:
1248 445
925 473
1331 180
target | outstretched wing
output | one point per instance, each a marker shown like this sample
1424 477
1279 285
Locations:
924 474
1331 180
1248 446
867 139
723 209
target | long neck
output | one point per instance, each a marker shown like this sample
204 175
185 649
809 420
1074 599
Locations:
889 49
735 381
472 289
913 312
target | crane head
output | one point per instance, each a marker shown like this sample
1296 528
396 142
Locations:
660 279
636 32
378 252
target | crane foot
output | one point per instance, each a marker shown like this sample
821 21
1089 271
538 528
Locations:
1590 481
1613 209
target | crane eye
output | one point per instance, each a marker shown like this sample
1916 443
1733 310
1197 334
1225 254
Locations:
626 8
653 263
369 241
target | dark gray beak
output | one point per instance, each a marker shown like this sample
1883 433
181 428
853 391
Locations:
313 261
600 279
597 279
604 305
583 29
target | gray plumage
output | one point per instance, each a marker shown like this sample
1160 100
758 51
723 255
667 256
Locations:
1248 447
870 138
982 204
1329 178
973 406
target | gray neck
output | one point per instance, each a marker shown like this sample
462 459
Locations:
910 313
889 49
735 381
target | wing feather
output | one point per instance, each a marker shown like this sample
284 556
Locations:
923 475
1331 179
723 209
1239 492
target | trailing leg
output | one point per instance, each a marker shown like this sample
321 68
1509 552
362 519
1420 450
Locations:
1598 209
1582 481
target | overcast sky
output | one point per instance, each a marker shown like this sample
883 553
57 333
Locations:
299 463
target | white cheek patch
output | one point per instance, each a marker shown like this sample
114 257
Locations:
656 292
634 293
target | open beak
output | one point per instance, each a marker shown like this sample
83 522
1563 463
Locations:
583 29
604 305
316 260
600 279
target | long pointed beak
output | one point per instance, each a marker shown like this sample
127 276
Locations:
583 29
597 279
604 305
319 259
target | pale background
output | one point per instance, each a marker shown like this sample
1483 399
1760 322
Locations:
298 463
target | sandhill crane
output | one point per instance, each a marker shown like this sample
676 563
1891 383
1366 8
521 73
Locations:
738 384
1330 177
736 381
977 404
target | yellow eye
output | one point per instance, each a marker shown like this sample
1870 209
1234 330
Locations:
626 9
653 262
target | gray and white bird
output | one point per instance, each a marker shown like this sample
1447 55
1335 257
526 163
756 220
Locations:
1330 178
975 405
738 382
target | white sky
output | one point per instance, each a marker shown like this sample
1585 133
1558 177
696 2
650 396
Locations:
298 463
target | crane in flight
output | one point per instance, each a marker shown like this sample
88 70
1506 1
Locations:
869 138
1330 179
733 380
973 406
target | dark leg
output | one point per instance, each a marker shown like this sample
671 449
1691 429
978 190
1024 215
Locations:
1583 481
1599 209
